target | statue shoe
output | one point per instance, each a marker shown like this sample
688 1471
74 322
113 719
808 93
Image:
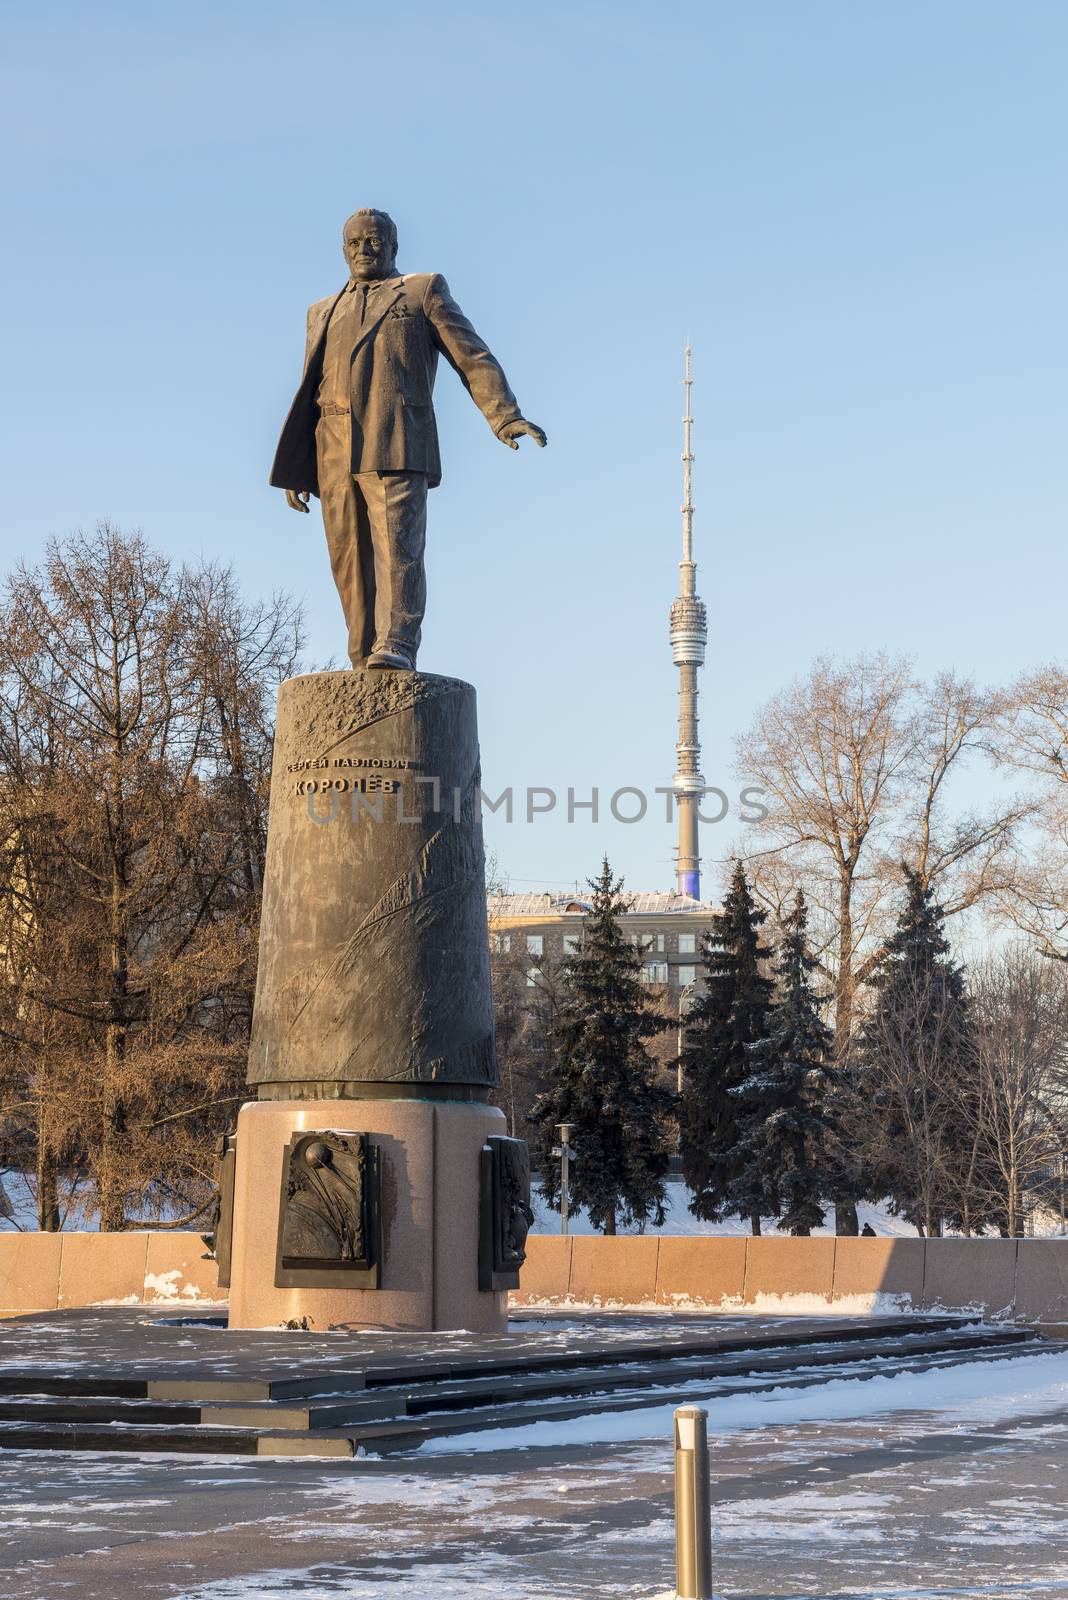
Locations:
396 658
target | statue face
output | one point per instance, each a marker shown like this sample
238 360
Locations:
369 250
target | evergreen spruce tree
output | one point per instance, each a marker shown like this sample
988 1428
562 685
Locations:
730 1014
852 1177
604 1082
916 1060
782 1102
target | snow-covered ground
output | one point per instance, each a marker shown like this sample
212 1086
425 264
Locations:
979 1392
680 1220
948 1486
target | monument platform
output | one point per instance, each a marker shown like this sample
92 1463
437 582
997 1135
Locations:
430 1226
370 1181
130 1379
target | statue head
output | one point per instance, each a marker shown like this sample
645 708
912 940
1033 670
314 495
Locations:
369 239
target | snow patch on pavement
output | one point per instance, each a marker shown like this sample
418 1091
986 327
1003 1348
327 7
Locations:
487 1577
979 1391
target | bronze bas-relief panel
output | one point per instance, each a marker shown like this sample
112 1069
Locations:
220 1239
329 1228
504 1213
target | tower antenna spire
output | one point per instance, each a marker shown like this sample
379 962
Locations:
689 633
687 466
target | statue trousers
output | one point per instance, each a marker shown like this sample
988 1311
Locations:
376 533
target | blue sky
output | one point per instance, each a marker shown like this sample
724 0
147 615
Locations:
857 213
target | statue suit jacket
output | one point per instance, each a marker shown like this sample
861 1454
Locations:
410 320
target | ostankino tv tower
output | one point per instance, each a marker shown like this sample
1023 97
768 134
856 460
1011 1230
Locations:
689 632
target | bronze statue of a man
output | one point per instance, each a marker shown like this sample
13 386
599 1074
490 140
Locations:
361 432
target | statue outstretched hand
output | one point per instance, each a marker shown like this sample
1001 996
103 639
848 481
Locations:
298 499
511 433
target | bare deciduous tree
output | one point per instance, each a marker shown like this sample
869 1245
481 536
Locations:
966 858
855 761
528 992
907 1117
135 702
1019 1107
830 754
1031 737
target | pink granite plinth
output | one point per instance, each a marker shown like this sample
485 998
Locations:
429 1152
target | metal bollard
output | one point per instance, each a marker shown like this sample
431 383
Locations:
693 1521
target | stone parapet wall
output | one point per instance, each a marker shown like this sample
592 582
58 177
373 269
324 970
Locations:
57 1271
1022 1278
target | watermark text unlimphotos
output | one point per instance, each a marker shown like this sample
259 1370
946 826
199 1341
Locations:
415 798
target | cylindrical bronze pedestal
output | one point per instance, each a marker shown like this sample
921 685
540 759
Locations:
374 961
373 1010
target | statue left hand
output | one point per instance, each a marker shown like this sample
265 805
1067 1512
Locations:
511 433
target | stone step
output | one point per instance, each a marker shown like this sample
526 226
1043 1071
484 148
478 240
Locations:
343 1398
660 1378
168 1414
386 1438
619 1352
387 1372
285 1415
410 1360
76 1410
442 1396
32 1381
173 1441
419 1380
394 1422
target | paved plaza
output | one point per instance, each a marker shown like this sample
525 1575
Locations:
947 1483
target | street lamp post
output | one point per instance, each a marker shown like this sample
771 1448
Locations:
685 1001
566 1154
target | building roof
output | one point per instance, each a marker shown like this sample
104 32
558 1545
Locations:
644 903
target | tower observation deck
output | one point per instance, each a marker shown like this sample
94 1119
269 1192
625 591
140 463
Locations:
689 633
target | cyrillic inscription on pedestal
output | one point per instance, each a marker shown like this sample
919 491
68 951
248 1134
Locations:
328 1224
504 1215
